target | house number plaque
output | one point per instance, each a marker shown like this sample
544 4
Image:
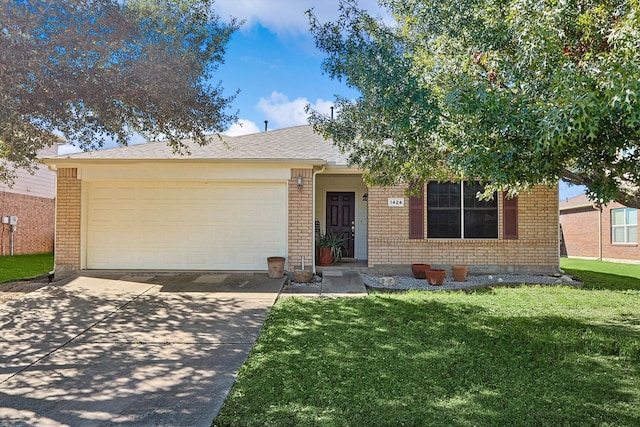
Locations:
395 202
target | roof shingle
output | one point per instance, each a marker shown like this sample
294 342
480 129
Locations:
294 143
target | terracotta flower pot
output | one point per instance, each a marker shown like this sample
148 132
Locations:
418 270
302 276
276 266
459 272
435 277
325 257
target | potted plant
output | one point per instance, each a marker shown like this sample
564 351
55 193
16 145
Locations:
330 247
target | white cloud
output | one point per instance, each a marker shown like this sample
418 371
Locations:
242 127
282 112
286 16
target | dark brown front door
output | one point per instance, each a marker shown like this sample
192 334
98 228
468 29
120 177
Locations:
341 218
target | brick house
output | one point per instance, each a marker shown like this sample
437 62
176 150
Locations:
32 200
609 233
233 203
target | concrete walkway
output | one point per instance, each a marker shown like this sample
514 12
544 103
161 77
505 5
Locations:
335 283
136 350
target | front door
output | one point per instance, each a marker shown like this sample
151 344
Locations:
341 218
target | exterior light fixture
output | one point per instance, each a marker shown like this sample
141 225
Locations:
299 182
365 197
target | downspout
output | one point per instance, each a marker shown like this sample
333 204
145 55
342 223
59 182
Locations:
600 232
313 216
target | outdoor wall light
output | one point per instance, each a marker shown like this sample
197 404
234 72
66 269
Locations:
365 197
299 182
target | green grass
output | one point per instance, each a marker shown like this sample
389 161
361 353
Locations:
24 266
603 274
539 356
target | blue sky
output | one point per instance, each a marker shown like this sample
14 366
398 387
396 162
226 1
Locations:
272 59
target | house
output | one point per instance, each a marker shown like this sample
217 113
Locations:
30 203
235 202
609 232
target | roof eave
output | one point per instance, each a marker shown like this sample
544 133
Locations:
56 162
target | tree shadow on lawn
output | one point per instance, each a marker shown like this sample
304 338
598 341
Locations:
604 281
403 361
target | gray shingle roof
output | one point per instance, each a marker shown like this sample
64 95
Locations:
290 144
579 201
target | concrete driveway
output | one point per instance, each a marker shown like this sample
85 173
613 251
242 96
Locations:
138 350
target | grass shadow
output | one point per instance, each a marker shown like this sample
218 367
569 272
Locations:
605 281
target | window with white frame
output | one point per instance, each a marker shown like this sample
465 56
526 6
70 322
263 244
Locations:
454 212
624 225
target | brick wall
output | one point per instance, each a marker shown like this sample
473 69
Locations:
36 224
300 219
616 252
67 256
580 231
535 250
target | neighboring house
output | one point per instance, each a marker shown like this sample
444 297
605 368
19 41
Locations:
239 200
32 201
609 233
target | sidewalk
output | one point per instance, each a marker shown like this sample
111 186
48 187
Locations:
335 283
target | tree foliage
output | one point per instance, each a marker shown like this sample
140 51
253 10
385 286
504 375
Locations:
96 70
513 92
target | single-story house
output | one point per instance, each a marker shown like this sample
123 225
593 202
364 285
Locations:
609 232
27 210
233 203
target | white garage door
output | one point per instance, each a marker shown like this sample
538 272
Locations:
185 225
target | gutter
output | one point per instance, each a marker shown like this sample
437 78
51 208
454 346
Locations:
53 162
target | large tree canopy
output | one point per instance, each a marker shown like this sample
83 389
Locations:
513 92
96 70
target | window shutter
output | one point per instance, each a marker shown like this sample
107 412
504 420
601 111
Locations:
509 217
416 216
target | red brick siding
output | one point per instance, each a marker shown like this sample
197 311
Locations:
67 256
36 223
580 231
300 219
616 251
535 250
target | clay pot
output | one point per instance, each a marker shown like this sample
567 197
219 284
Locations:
325 258
459 272
276 267
418 270
435 277
302 276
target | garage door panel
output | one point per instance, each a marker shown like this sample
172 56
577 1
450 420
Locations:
146 238
176 193
212 225
151 193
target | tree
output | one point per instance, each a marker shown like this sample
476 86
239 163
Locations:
514 93
98 70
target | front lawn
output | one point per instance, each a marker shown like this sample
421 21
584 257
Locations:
603 274
539 356
24 266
